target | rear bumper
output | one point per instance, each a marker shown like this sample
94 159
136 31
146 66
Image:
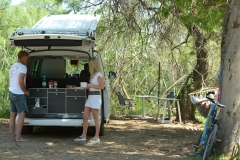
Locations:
56 122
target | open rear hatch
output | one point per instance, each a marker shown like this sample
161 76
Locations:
73 32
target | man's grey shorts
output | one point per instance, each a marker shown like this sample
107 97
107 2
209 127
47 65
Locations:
18 102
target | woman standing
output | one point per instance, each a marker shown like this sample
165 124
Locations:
94 100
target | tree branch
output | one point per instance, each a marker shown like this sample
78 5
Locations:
185 41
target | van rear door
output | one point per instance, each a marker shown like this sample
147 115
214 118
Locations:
76 32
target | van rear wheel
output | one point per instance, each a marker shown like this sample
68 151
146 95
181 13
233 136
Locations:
92 130
101 132
27 129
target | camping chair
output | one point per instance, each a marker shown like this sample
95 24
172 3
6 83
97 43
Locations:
170 95
123 103
166 104
198 99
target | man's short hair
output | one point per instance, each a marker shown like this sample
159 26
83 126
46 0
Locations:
22 54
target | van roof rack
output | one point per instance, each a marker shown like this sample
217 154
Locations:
83 33
77 25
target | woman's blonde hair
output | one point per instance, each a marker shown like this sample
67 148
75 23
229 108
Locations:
94 67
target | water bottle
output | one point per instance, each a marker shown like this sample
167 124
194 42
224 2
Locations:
44 83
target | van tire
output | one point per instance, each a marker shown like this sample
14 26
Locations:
92 130
27 130
101 132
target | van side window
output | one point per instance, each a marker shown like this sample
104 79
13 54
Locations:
35 70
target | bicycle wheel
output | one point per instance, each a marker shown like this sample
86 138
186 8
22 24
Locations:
210 142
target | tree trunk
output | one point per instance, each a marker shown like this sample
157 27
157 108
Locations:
195 79
229 119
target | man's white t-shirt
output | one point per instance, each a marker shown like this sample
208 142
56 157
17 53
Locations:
14 72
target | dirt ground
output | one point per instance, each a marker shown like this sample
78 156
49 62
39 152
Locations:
132 139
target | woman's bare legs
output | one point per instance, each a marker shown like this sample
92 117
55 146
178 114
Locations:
86 114
95 113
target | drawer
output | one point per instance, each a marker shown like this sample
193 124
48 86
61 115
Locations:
43 101
56 90
38 110
56 102
75 104
38 92
76 92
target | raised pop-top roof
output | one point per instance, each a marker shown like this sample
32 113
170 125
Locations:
87 22
58 30
83 26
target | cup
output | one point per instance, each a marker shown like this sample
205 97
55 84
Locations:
83 84
50 84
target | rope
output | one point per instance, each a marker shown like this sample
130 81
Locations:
198 97
201 93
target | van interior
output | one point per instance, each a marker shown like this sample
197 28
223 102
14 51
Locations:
63 99
57 68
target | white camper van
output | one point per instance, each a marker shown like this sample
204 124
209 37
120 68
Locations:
53 43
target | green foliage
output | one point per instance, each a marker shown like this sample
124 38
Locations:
4 4
74 69
7 55
4 106
200 118
165 12
205 14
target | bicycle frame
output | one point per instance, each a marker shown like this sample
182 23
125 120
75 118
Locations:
207 129
208 138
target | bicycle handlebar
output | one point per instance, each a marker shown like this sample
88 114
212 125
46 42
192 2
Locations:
210 93
213 101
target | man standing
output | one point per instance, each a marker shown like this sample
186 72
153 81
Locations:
17 95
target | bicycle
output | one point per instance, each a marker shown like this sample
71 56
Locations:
205 146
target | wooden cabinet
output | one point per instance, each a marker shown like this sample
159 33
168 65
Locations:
58 101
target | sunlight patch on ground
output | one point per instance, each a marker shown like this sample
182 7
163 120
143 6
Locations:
110 143
51 143
4 121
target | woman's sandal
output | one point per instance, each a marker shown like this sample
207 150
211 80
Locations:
79 139
94 140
